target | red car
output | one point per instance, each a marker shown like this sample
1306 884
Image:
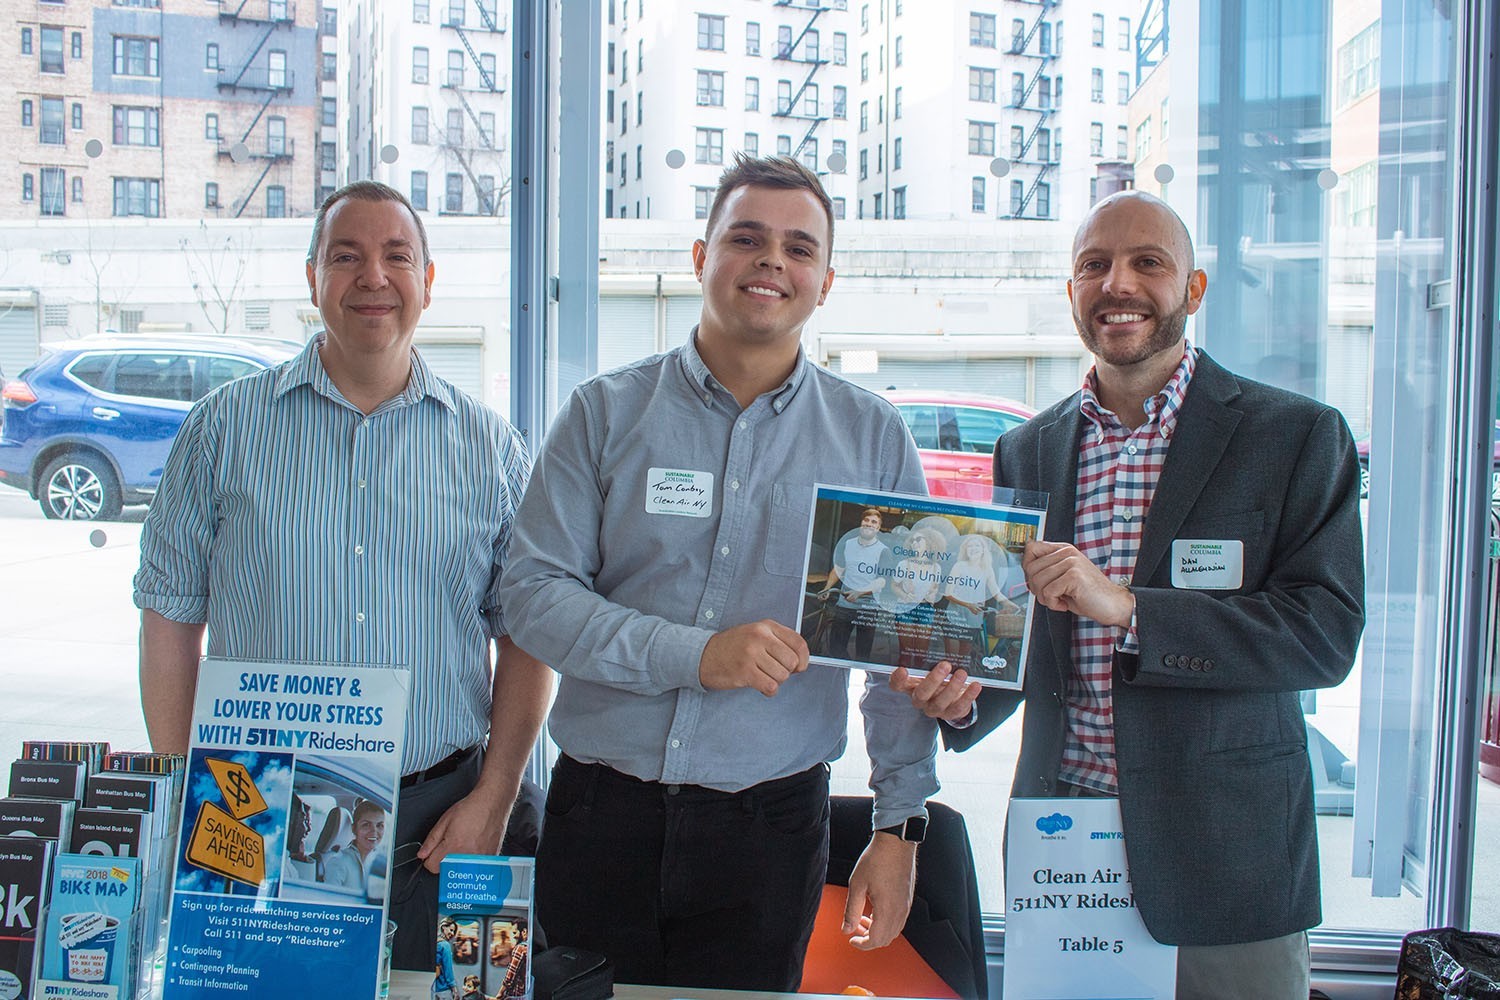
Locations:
955 435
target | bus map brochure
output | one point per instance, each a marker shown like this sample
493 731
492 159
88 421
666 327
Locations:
905 581
281 868
484 926
25 864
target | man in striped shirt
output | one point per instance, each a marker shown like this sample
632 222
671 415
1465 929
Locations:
1202 565
351 507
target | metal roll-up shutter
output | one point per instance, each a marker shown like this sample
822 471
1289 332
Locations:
627 329
1348 375
990 376
682 315
460 364
1056 378
19 338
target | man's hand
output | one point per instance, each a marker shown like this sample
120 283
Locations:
472 825
1063 579
759 655
943 694
882 884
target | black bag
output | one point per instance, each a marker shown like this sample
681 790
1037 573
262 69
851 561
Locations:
1449 964
572 974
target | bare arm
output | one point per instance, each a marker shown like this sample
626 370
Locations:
169 677
475 824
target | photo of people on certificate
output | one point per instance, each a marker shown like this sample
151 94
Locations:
902 581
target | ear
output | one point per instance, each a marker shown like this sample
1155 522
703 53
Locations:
700 257
312 283
1070 291
1197 285
427 277
827 284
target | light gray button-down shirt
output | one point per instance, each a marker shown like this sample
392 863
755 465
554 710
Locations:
621 600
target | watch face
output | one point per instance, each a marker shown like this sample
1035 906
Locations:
916 830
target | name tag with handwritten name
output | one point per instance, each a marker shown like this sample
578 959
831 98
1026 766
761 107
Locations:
681 492
1208 564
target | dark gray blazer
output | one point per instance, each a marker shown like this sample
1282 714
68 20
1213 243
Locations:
1215 782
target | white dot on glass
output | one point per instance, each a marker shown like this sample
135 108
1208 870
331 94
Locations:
389 154
837 162
97 538
93 149
676 158
239 152
1163 173
999 167
1328 179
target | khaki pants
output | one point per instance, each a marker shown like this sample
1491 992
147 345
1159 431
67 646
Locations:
1275 969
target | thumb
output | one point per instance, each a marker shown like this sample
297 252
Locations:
854 908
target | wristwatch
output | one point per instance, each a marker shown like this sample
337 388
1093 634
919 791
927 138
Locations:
912 830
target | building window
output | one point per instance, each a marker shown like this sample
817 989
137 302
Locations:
982 138
896 103
138 127
783 97
1017 90
419 190
421 14
1098 35
898 203
1096 139
840 102
752 93
26 46
275 202
54 191
809 153
419 65
640 57
898 50
1124 96
864 115
52 52
1044 92
328 156
330 112
752 143
139 196
27 194
26 114
455 68
981 84
864 164
488 137
487 194
1044 201
864 18
1143 140
77 45
1359 65
330 67
783 145
487 71
453 196
1096 85
840 48
710 89
1124 36
329 21
455 131
982 30
1017 142
703 198
709 144
609 107
879 203
838 160
1017 197
1122 143
638 159
77 117
1017 36
711 32
1044 145
455 13
640 105
976 194
864 67
1044 39
624 117
838 209
784 42
77 190
210 126
419 123
135 56
52 121
752 38
1357 202
896 153
810 100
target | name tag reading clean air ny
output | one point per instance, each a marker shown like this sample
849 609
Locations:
681 492
1208 564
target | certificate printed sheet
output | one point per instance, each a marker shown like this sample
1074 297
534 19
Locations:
282 867
1072 930
895 580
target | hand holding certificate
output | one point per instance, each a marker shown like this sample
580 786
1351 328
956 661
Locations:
897 581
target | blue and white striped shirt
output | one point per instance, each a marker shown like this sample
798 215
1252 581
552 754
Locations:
302 530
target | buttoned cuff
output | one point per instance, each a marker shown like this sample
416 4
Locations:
1130 642
676 655
967 720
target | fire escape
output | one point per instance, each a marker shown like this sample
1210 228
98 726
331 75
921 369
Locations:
271 78
488 199
1034 97
801 54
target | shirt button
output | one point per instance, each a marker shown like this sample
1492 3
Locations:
743 425
1126 515
709 614
359 550
673 789
734 484
724 551
359 616
676 744
361 484
1130 448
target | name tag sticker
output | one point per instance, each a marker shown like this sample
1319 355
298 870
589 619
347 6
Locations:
681 492
1208 564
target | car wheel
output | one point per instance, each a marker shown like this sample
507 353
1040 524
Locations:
80 487
1364 481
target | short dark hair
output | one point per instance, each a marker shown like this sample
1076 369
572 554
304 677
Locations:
364 191
773 172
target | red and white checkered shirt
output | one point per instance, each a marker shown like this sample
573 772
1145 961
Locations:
1117 473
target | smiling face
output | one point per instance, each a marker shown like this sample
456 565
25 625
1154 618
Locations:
869 526
369 830
368 280
1133 283
763 267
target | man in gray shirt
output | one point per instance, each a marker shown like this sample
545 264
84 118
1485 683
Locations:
655 562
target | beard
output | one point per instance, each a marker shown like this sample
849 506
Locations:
1166 332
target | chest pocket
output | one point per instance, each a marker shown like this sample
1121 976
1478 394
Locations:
786 531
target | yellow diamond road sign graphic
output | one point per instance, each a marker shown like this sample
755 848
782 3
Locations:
225 846
240 794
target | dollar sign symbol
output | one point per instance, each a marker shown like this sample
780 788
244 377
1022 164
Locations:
239 795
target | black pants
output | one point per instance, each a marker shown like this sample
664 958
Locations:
680 885
842 625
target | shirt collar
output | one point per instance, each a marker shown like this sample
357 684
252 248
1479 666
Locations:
307 369
1161 408
703 383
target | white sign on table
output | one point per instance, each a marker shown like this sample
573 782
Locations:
1072 930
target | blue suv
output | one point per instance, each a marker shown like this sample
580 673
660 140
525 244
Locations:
87 428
